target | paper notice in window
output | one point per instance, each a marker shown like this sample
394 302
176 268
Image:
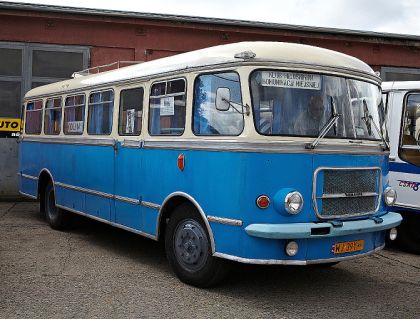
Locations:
75 127
292 80
167 106
131 115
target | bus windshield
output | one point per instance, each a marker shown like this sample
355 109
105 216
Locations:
300 104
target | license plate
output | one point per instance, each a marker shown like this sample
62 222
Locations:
348 247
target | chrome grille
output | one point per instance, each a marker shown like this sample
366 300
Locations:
346 192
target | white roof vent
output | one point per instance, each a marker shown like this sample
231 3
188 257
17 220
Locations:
245 55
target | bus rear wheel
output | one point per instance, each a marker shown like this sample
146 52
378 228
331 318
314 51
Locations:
56 217
188 249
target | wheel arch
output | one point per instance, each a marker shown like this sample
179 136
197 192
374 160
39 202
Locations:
43 178
168 206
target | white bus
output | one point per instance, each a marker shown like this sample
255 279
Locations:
402 105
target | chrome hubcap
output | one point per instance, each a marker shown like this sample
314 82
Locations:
190 244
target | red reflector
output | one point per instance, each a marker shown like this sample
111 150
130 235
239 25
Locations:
263 201
181 162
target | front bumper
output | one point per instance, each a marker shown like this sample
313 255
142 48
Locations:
324 229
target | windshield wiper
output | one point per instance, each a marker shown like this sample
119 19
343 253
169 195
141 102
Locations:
368 119
333 120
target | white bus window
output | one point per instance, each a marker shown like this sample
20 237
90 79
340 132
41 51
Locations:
100 112
131 111
74 114
207 119
33 117
167 108
52 116
410 139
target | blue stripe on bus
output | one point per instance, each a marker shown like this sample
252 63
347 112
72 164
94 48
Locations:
404 168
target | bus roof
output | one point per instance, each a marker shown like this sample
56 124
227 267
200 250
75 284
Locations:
217 55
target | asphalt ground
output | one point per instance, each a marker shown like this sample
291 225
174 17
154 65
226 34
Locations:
96 271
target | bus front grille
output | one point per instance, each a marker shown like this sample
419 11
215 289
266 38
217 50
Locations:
346 192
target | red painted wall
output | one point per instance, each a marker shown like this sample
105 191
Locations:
115 38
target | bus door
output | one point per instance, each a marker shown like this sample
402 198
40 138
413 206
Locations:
97 175
406 168
128 159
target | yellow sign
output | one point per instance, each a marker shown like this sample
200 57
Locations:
9 125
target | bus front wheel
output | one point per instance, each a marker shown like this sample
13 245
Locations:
56 217
188 249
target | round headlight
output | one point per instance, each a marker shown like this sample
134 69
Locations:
390 196
293 203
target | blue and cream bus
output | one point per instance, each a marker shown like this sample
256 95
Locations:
255 152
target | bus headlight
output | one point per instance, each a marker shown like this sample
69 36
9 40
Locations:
293 203
390 196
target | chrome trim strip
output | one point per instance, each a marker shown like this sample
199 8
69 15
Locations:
150 205
139 232
28 195
127 200
405 206
131 143
28 176
200 210
71 140
101 194
314 197
219 145
225 221
294 262
265 147
344 195
85 190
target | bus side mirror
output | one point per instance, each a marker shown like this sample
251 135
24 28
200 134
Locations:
222 99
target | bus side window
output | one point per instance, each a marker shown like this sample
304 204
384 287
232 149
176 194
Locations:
167 108
131 111
100 112
74 114
52 116
33 117
207 119
410 140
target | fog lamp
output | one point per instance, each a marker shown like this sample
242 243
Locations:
393 233
293 203
390 196
292 248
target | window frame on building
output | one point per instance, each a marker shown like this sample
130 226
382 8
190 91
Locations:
26 80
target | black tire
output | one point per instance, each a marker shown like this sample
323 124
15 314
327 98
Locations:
56 217
408 237
188 249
